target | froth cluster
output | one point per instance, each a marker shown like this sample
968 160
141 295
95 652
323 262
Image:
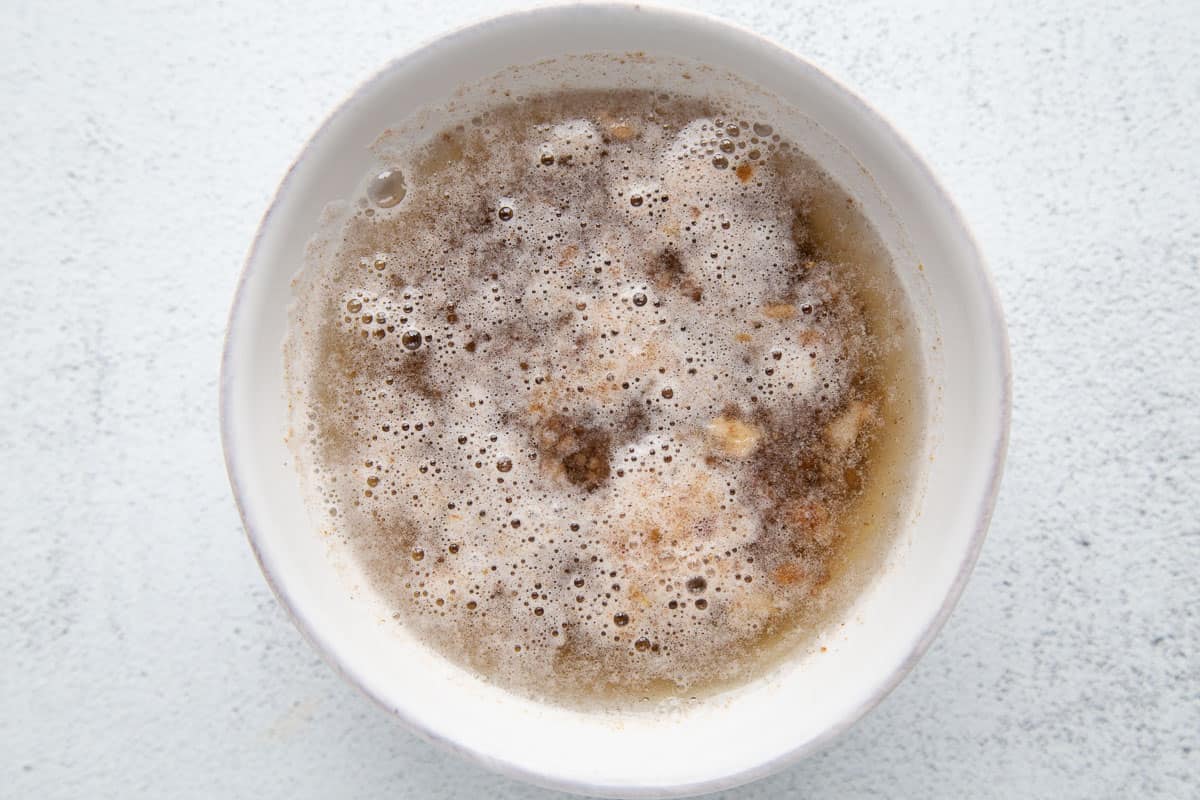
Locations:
582 400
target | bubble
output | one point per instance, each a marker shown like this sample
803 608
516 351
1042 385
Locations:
504 464
726 146
697 584
621 619
418 554
354 306
762 129
411 340
547 159
701 604
635 200
668 393
720 162
639 299
642 645
387 188
505 213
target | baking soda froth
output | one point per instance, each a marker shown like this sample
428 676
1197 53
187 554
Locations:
587 397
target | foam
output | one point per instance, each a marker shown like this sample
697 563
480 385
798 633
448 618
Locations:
542 486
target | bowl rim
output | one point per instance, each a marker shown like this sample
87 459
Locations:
998 343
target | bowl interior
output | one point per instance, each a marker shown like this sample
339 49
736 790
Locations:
732 737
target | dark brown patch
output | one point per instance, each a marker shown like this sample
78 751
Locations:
666 271
588 465
582 452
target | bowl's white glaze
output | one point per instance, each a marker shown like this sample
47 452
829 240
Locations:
731 738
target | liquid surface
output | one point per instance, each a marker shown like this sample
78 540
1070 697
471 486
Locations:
609 394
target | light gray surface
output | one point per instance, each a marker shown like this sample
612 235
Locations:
142 651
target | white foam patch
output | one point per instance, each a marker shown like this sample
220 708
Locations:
575 143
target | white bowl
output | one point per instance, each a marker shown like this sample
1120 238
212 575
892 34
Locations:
772 722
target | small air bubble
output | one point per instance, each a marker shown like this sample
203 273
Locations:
387 188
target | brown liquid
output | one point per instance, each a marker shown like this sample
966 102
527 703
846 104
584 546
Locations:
619 399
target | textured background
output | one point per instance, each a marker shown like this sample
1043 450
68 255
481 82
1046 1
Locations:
142 651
